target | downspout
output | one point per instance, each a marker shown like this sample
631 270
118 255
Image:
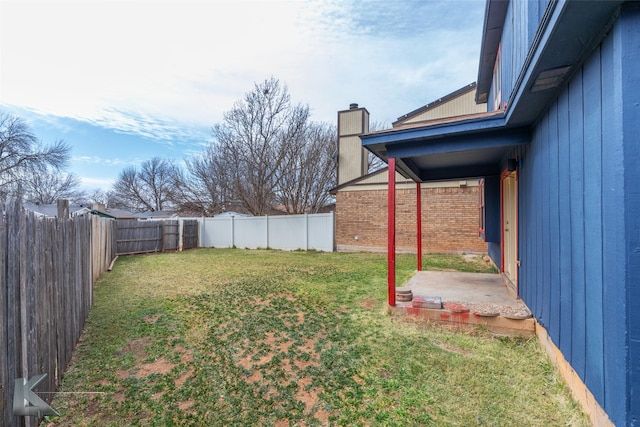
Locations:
391 232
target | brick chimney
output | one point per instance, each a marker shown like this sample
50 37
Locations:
352 158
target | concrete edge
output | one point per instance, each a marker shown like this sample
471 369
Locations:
498 324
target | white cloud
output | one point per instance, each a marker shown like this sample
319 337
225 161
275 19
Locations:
104 161
166 70
90 184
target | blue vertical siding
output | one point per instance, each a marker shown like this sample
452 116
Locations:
628 32
492 209
576 170
541 265
592 89
613 267
563 336
552 275
520 27
579 218
535 10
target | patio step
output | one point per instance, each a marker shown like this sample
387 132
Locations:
457 314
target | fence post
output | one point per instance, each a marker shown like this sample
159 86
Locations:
64 212
306 231
233 237
267 227
180 233
201 232
333 227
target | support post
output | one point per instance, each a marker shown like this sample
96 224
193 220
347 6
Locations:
391 231
419 225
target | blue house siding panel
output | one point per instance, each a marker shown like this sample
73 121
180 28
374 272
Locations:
541 190
530 248
613 242
576 168
593 223
506 56
553 251
580 226
493 250
516 41
515 44
492 209
629 28
535 10
565 301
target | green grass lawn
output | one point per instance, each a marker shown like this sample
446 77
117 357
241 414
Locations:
237 337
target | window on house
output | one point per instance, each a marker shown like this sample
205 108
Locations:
497 82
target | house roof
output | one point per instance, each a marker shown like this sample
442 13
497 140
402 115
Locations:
436 103
51 210
474 145
460 147
229 214
114 213
156 215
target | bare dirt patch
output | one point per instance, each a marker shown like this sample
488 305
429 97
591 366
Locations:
451 348
183 378
138 347
187 404
152 319
307 395
368 304
160 366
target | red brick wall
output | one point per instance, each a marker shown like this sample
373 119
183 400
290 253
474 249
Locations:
449 220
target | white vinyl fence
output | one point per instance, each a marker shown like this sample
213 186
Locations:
286 232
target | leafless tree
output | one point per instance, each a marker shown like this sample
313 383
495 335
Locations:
47 186
309 172
260 133
147 189
23 156
200 189
98 196
374 162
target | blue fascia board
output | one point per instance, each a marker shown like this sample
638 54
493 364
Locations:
433 131
462 142
378 143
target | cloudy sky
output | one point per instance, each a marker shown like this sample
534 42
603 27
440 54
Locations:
124 81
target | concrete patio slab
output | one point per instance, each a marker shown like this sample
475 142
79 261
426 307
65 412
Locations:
468 299
481 288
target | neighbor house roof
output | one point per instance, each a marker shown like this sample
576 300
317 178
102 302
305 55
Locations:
114 213
156 215
51 210
443 100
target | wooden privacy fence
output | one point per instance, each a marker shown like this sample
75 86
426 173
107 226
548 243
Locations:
137 237
190 233
103 237
46 276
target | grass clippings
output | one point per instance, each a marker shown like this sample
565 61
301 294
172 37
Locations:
235 337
